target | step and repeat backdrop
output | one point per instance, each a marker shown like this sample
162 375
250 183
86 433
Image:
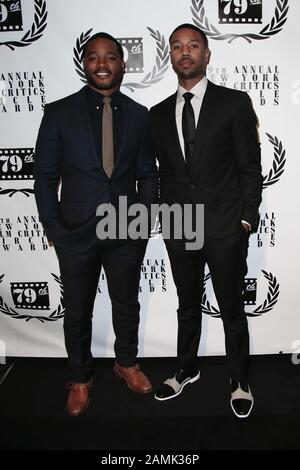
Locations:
255 48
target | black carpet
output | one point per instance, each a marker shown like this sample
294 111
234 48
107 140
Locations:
33 416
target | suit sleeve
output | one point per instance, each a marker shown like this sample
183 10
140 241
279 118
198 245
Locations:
248 158
47 164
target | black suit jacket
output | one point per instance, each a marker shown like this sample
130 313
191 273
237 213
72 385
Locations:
225 171
65 150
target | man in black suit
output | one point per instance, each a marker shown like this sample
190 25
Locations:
96 165
208 152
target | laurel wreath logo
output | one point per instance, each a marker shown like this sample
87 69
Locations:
159 68
266 306
278 163
78 53
206 306
55 315
274 27
12 192
36 30
272 297
158 71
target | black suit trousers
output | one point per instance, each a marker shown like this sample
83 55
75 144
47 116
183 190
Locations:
80 272
226 260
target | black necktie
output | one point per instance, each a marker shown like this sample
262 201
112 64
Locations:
188 126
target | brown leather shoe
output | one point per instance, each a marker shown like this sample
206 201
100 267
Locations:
136 380
78 399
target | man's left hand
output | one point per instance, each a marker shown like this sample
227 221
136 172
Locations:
246 227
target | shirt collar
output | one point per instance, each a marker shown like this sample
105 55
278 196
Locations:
198 90
96 99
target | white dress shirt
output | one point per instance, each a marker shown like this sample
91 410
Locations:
196 102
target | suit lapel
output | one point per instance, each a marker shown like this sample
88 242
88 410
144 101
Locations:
208 109
84 124
207 114
126 119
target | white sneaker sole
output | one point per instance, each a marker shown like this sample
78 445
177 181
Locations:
242 416
189 381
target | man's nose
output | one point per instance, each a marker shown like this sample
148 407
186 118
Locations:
101 62
186 50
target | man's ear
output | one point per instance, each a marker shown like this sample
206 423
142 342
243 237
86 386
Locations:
207 55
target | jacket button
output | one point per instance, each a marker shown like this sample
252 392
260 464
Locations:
193 186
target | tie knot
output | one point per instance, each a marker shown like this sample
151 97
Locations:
106 99
187 96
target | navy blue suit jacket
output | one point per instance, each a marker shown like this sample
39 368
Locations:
65 151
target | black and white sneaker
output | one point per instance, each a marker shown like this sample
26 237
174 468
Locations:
174 386
241 399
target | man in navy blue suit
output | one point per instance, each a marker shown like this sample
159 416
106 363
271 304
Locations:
70 149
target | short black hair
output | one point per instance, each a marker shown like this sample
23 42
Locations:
190 26
102 35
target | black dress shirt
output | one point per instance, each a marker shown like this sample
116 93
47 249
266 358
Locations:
95 107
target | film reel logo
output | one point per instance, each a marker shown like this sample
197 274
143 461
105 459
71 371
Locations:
30 295
11 15
249 296
33 297
16 164
250 289
240 11
133 54
11 21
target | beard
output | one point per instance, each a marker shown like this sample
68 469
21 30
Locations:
116 80
196 72
187 74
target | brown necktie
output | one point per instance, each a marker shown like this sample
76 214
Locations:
107 137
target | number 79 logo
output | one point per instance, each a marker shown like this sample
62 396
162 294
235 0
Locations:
11 163
239 6
240 11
